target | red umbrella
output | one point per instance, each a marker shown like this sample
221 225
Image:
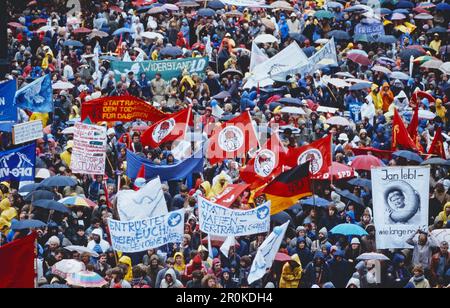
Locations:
31 3
15 25
82 30
115 8
39 21
337 171
282 257
366 162
375 152
360 59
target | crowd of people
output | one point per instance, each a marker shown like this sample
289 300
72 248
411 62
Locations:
37 37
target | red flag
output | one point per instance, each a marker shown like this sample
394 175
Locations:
17 263
231 194
232 139
168 129
266 164
437 146
413 129
400 136
318 152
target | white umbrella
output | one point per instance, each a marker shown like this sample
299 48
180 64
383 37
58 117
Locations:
338 121
45 29
338 83
327 109
67 266
69 130
399 75
345 75
294 129
355 80
62 85
426 114
82 249
372 256
42 173
433 64
445 68
293 110
265 39
382 69
152 35
322 41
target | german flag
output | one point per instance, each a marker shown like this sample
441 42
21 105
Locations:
289 187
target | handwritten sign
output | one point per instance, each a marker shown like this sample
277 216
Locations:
28 131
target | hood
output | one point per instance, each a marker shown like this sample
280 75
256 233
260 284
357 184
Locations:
171 272
296 259
5 204
154 257
125 260
197 260
179 254
98 232
324 231
398 258
215 261
319 255
354 281
386 85
207 187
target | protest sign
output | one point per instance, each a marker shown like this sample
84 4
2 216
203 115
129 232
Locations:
400 204
18 164
372 30
218 220
28 131
147 202
167 68
149 233
89 149
7 92
36 96
120 108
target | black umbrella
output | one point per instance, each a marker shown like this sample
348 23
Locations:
232 72
298 37
27 224
171 52
280 218
355 9
59 181
407 53
289 101
436 161
206 12
349 196
408 155
437 29
39 195
216 5
51 205
339 35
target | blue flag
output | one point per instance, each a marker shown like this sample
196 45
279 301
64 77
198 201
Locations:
36 96
178 171
18 164
8 112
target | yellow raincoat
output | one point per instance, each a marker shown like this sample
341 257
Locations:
207 188
217 188
179 267
127 261
443 215
40 116
290 278
441 111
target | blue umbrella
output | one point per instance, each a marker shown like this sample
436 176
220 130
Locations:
216 5
405 5
339 35
436 161
317 202
280 218
354 9
144 8
408 155
171 52
387 39
309 51
73 43
59 181
443 7
298 37
349 196
385 11
122 31
27 224
289 101
51 205
360 86
206 12
39 195
361 182
29 188
349 230
401 11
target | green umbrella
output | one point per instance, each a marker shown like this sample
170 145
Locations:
323 14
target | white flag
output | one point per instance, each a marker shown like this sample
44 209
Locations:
225 248
257 57
148 202
126 57
266 253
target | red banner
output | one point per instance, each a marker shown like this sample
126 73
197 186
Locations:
120 108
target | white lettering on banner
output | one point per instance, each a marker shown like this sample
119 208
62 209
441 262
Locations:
24 166
400 204
149 233
218 220
2 101
89 149
28 131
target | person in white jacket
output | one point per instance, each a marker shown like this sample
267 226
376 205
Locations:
368 109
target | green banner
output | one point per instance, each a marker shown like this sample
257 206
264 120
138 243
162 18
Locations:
168 68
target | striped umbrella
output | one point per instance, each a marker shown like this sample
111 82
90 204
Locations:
86 279
77 201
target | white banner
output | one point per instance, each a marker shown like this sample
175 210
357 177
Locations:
246 3
149 201
28 131
218 220
442 235
400 204
149 233
89 149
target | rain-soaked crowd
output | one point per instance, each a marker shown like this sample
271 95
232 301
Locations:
42 39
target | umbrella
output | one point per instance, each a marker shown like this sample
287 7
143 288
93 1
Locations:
355 9
282 257
187 4
170 7
171 52
423 59
59 181
97 33
322 41
232 72
234 13
51 205
445 68
14 24
62 85
437 29
338 83
408 155
399 75
339 35
281 218
77 201
157 10
349 196
73 43
423 16
108 58
345 75
385 11
66 267
122 31
443 7
29 188
152 35
366 162
432 64
398 16
387 39
349 230
82 249
298 37
293 129
436 161
82 30
358 51
39 21
372 256
39 195
45 29
27 224
115 8
405 5
360 59
86 279
341 121
334 5
268 23
317 201
265 38
337 171
360 86
386 61
323 14
222 95
361 182
406 54
206 12
216 5
382 69
289 101
283 5
293 110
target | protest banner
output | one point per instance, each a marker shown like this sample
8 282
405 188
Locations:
18 164
28 131
36 96
441 235
372 30
149 233
147 202
7 92
89 149
215 219
120 108
400 204
167 68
